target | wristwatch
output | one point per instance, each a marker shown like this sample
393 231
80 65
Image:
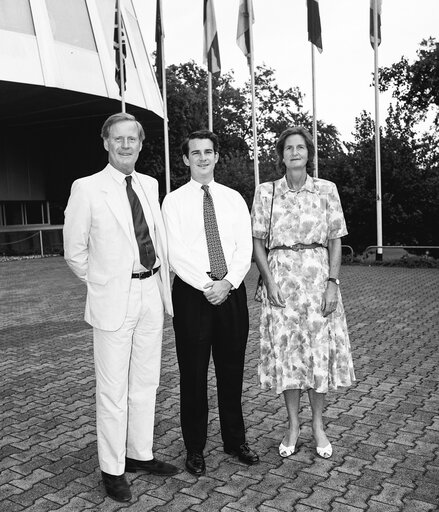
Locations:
334 280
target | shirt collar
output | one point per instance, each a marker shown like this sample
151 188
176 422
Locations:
120 176
309 185
198 185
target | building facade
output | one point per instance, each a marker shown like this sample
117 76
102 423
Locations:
57 85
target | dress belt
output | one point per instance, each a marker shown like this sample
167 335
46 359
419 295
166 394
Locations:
144 275
297 247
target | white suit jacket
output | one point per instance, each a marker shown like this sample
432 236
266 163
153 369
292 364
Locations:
97 247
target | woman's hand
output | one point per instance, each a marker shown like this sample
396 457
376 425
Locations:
275 297
330 298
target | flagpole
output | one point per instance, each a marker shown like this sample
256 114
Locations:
314 115
253 93
379 253
165 119
209 100
121 66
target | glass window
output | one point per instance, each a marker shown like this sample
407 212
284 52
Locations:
13 214
15 15
70 23
34 213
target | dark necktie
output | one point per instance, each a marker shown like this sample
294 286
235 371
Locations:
146 247
218 267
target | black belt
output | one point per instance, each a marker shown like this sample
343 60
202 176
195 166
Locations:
297 247
144 275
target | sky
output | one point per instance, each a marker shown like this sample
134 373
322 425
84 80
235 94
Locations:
343 70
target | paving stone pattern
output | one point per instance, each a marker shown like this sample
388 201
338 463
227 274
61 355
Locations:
384 429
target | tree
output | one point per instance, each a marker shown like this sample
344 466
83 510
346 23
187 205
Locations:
416 85
232 118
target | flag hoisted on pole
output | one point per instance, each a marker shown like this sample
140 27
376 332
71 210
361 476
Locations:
375 28
244 39
245 21
120 53
161 79
372 30
314 27
211 52
159 36
315 38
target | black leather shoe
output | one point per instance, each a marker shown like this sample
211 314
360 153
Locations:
195 463
116 486
153 466
244 454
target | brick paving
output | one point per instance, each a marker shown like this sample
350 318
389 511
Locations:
384 429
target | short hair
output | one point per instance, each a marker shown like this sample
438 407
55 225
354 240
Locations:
280 145
200 134
119 118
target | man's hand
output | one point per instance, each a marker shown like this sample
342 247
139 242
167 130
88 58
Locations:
217 291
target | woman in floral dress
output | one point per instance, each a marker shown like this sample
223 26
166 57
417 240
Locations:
304 338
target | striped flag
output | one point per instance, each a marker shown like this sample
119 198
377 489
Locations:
159 34
245 17
314 27
211 47
371 24
117 53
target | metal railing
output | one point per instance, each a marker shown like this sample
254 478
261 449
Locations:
350 250
38 228
399 247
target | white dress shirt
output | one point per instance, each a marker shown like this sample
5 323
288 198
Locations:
184 221
119 177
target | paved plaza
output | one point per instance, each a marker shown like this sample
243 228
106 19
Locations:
384 429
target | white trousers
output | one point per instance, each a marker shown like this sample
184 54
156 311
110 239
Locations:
127 364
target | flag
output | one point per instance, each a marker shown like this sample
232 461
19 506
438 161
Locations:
211 47
159 34
245 17
371 25
117 53
314 27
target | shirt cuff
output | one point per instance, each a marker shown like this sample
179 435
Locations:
233 280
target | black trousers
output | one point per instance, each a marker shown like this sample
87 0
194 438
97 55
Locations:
202 329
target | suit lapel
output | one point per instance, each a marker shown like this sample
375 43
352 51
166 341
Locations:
112 197
155 211
147 194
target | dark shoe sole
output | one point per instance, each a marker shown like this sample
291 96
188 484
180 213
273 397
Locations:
196 473
236 454
134 469
120 500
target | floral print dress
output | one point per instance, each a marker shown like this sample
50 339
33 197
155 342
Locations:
301 349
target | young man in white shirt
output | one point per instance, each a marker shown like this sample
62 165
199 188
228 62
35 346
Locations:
210 248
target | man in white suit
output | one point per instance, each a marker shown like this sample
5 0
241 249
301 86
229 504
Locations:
114 241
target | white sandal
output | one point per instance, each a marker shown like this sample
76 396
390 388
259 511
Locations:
324 452
286 451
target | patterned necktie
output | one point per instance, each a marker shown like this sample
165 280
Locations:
218 267
146 247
